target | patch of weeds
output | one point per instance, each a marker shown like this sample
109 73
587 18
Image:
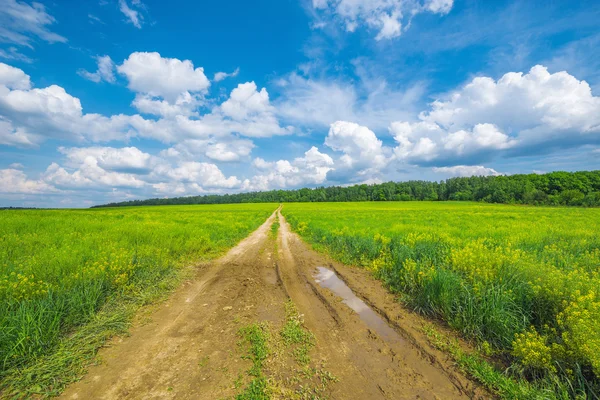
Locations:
297 380
311 382
257 335
203 362
274 228
295 335
239 381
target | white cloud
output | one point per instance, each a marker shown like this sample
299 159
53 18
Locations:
52 99
29 115
219 76
133 16
513 115
126 159
17 137
13 78
229 151
466 170
423 142
245 101
184 105
105 71
251 112
384 16
391 26
205 175
308 170
89 175
129 168
363 152
222 149
439 6
16 166
156 76
13 181
21 23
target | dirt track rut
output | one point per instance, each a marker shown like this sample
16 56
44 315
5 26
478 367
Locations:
190 348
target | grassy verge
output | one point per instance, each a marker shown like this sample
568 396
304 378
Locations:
485 373
49 374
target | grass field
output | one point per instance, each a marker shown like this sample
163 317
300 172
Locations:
70 279
522 282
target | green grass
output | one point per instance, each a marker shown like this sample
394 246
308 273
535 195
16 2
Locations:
71 279
296 336
522 280
274 228
257 335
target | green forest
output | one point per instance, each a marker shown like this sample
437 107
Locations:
555 188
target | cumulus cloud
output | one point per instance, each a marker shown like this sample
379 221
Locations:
205 175
363 153
13 78
185 104
245 100
466 170
384 16
157 76
251 112
171 89
219 76
89 175
18 137
33 114
21 23
223 149
514 115
308 170
130 168
105 71
14 181
126 159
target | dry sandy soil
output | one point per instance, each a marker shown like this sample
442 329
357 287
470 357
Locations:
190 347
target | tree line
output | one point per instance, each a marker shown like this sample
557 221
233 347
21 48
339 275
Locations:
555 188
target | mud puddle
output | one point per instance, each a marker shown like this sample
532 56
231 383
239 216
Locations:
326 278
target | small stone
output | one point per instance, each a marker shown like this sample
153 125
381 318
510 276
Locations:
227 308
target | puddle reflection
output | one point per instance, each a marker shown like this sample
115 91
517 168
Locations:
328 279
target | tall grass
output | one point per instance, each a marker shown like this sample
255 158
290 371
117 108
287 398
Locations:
69 279
524 282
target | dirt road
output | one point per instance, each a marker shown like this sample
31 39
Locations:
192 349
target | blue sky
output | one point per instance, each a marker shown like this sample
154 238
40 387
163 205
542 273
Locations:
114 100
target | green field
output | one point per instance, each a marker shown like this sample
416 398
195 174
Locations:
70 279
521 282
